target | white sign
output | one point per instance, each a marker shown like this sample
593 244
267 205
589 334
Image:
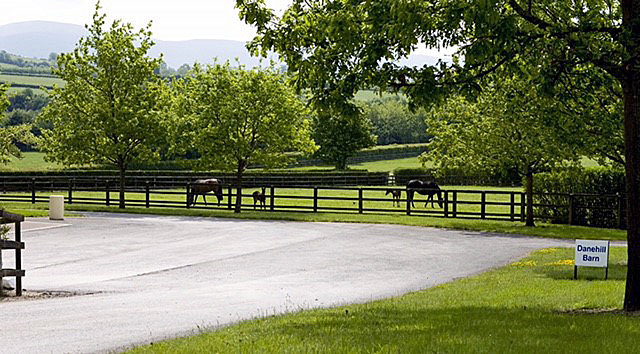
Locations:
590 253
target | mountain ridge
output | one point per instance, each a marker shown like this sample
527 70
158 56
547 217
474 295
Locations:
38 39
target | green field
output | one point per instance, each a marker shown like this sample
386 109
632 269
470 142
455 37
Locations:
31 161
31 80
34 161
529 306
369 95
291 197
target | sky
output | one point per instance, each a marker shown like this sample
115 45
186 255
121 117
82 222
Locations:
175 20
180 20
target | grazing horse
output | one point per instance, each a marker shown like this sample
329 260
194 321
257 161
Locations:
424 188
259 197
202 187
396 194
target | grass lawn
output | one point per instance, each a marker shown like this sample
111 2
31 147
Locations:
31 161
530 306
31 80
390 165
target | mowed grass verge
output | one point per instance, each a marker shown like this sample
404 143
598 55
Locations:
530 306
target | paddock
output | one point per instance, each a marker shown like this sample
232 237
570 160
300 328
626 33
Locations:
468 202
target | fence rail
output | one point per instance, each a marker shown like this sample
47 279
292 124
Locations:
465 204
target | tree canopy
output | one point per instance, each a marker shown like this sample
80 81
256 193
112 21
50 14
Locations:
340 134
394 123
110 110
335 47
237 118
508 128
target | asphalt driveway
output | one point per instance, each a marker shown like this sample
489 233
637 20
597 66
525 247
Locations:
146 278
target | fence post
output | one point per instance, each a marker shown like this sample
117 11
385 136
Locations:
513 206
572 209
455 204
446 204
522 206
315 199
146 190
107 196
620 211
272 197
483 205
33 191
187 198
70 197
409 201
229 203
360 201
18 238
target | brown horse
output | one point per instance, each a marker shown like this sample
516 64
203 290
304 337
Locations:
396 194
260 197
424 188
202 187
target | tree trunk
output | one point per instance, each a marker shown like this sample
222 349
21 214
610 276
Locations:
529 194
631 89
122 185
630 81
240 171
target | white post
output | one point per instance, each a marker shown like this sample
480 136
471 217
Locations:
56 207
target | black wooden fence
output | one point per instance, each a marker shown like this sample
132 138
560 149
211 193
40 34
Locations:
469 204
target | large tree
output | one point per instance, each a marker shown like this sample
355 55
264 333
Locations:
110 110
336 47
508 127
394 123
237 118
340 133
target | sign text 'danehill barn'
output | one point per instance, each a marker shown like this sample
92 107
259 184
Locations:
590 253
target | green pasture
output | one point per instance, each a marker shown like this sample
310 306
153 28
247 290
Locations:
370 95
532 305
31 80
34 161
328 199
30 161
291 197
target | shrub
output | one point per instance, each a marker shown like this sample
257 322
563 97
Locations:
604 208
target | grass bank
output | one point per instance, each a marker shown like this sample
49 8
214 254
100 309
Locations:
532 305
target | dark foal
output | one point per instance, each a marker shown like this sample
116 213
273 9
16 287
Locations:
260 197
396 194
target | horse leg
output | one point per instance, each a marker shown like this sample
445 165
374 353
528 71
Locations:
410 195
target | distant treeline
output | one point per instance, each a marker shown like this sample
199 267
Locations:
15 64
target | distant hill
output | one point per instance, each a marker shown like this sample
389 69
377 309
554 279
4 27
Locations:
38 39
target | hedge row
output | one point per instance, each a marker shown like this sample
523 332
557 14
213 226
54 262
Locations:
172 179
454 177
378 153
569 186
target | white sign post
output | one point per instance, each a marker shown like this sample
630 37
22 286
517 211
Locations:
592 253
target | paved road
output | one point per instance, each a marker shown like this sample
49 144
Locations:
150 278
